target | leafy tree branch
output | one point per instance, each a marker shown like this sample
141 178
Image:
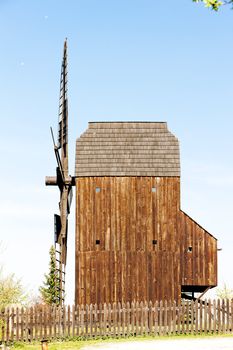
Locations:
11 290
224 292
215 4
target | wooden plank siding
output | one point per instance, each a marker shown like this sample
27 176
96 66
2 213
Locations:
125 216
117 220
199 264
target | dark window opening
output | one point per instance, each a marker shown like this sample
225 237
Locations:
97 241
154 241
190 249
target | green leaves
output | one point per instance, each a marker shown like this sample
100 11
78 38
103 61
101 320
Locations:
214 4
224 292
11 290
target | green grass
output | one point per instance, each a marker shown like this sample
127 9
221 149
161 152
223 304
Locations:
79 344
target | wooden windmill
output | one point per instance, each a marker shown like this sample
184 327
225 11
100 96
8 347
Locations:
133 241
62 180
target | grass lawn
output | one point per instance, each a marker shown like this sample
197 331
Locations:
79 344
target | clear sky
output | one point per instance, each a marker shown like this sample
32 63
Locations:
128 60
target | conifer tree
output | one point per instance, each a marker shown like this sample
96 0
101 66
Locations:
49 292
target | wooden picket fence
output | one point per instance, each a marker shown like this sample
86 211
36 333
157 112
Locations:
116 320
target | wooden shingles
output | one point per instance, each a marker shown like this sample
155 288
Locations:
127 149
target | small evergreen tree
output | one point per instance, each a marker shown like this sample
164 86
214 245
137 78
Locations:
49 292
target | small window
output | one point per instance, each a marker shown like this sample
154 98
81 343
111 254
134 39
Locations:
190 249
97 189
97 241
154 242
153 189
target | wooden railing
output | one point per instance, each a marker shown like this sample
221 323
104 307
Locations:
116 320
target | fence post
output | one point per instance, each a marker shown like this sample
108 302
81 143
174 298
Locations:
209 317
105 319
73 321
231 316
161 317
137 318
201 316
223 316
132 317
219 316
128 318
165 317
91 314
123 320
141 318
192 315
87 321
183 314
174 317
82 319
156 317
50 321
2 324
8 324
77 319
110 319
215 315
12 323
205 316
228 316
150 318
179 310
188 317
119 319
114 318
231 313
169 317
100 319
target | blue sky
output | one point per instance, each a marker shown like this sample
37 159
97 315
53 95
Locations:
128 60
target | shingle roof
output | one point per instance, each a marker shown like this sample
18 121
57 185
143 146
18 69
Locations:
127 149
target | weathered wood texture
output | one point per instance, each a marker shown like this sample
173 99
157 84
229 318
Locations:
127 149
132 241
116 320
199 254
126 216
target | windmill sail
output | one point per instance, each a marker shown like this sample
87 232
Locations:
63 103
62 180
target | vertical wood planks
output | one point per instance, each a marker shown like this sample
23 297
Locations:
137 239
126 217
117 320
214 316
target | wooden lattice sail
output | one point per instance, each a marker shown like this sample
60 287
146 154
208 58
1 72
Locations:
62 180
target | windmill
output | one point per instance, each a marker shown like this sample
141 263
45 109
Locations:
62 180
